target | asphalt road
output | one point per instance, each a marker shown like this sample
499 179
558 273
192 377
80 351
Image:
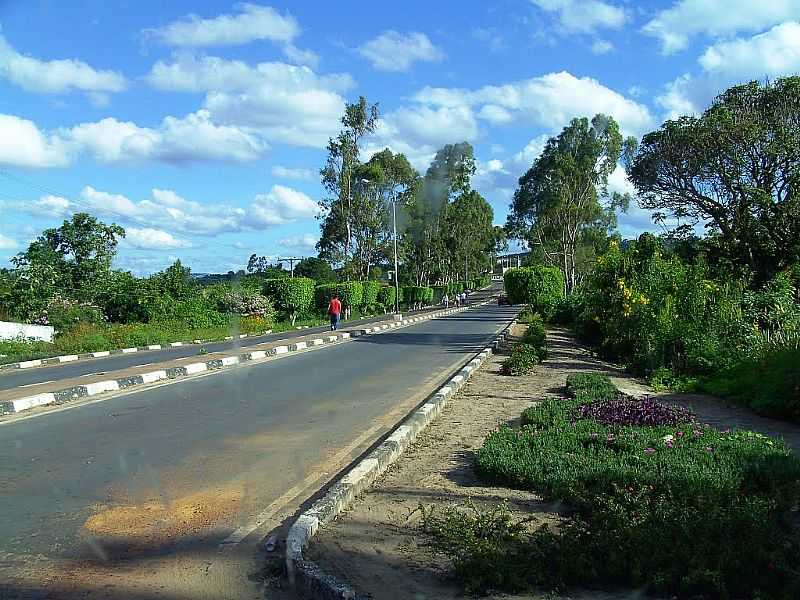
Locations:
173 470
11 379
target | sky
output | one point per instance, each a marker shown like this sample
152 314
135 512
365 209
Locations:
201 126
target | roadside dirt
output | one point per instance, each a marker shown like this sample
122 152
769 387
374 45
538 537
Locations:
375 545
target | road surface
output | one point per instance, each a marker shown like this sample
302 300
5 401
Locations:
130 497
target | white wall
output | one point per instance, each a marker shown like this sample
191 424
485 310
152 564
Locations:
12 331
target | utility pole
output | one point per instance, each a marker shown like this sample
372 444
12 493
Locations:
394 235
292 260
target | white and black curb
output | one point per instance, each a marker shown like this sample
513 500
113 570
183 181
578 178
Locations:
306 576
81 391
56 360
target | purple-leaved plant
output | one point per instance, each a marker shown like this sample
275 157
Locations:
626 410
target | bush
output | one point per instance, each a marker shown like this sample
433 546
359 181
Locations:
351 294
64 314
541 287
535 334
291 294
246 304
417 296
370 294
667 507
386 297
524 357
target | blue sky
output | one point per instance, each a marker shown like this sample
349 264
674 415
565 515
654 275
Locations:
201 126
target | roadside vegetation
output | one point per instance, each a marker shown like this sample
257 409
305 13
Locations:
651 499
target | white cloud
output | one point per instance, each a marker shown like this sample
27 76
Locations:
301 57
22 144
281 205
550 101
48 206
395 51
55 76
602 47
676 99
147 238
252 22
289 173
6 243
618 182
584 16
284 103
774 52
305 243
190 139
675 26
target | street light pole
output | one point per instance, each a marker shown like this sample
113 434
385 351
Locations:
394 235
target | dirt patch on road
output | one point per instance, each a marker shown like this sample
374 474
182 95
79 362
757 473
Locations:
156 522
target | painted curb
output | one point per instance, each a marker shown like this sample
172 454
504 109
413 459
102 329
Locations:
306 576
18 405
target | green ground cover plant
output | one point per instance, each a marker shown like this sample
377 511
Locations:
652 499
530 351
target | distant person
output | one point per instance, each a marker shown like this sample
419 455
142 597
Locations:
335 312
463 298
446 301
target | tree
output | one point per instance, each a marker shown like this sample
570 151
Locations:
315 268
558 199
471 234
425 248
338 179
736 168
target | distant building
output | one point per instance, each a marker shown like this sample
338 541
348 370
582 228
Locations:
507 261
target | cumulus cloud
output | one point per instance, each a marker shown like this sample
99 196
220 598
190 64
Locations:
395 51
675 26
281 205
6 243
304 243
284 103
22 144
56 76
178 140
252 22
584 16
549 101
147 238
774 52
289 173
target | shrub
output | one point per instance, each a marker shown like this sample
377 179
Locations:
351 294
524 357
417 296
245 304
386 297
370 294
535 334
64 314
291 294
592 385
664 507
541 287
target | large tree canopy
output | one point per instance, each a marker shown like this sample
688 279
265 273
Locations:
558 203
737 169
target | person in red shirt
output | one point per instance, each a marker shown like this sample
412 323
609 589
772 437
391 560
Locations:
335 312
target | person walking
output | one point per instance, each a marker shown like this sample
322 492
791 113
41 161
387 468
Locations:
335 312
446 301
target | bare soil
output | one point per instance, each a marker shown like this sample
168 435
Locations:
376 546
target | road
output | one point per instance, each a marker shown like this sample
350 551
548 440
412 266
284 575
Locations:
15 378
131 496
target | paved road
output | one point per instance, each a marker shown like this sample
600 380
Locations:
97 497
22 377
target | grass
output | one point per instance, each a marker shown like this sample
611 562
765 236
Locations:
667 507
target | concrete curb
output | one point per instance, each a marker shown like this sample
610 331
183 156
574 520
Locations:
18 405
306 576
56 360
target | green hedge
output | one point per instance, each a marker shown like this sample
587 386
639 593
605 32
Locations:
386 297
351 294
541 287
417 295
371 289
291 294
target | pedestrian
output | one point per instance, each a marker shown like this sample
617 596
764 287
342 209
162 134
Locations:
446 301
335 312
463 298
457 299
